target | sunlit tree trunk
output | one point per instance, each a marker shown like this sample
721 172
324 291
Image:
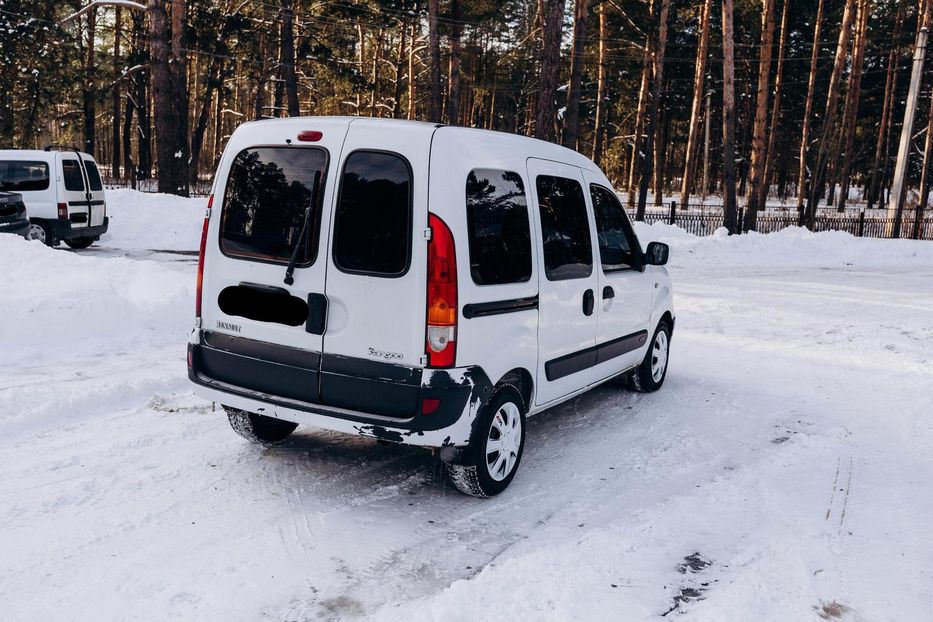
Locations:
852 101
601 103
759 131
572 116
545 113
728 120
647 155
807 114
699 80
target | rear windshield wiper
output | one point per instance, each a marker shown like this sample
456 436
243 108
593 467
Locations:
315 188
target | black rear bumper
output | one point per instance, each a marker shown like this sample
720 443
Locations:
63 229
369 392
16 227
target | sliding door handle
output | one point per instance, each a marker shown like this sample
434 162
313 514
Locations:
608 293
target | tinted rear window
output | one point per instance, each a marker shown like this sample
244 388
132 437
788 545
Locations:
497 219
23 175
268 191
372 227
71 171
93 176
565 230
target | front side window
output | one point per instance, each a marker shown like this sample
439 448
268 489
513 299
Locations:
71 171
565 230
93 176
268 191
618 246
497 219
23 175
372 224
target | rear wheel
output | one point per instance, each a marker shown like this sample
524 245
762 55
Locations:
79 243
650 374
258 428
40 232
491 460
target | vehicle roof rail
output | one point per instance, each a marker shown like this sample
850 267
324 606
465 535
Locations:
59 148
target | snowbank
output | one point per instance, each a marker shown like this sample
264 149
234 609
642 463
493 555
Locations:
56 304
791 247
146 220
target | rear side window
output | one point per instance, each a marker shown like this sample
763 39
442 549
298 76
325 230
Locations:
565 230
93 176
71 171
618 246
372 226
23 175
497 219
268 191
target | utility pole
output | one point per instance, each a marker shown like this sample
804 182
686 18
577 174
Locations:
705 187
896 197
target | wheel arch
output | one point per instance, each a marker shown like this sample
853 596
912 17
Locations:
522 380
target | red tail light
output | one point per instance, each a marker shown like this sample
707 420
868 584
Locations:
63 211
441 338
207 220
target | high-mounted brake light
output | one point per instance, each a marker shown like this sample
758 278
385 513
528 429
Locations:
63 211
207 220
441 337
310 136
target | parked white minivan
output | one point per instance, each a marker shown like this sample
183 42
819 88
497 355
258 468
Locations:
63 193
418 283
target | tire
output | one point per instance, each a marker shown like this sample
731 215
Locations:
502 420
40 232
651 372
79 243
258 428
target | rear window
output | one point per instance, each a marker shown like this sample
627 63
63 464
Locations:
372 226
497 219
23 175
93 176
71 171
565 230
268 191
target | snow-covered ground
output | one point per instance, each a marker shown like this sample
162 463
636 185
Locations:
784 471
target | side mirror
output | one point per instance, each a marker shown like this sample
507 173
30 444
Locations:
657 254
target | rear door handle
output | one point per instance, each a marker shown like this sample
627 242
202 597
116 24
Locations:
608 293
317 314
589 301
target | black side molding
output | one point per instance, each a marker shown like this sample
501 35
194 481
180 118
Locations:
498 307
594 355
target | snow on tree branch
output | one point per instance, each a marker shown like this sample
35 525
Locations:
121 3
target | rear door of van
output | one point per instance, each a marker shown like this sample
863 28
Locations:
74 188
375 337
97 208
263 195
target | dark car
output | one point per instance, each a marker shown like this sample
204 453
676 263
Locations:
13 214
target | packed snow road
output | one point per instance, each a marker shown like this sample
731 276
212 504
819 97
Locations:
782 473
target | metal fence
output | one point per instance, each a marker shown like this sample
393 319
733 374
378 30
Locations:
199 188
861 224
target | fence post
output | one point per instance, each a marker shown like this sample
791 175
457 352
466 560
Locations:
673 212
741 221
861 223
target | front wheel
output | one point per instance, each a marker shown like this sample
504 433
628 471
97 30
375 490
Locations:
258 428
79 243
491 460
650 374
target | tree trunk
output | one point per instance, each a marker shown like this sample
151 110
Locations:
115 95
399 62
287 56
601 103
88 90
699 79
434 105
890 87
453 77
759 154
552 28
413 41
572 115
924 174
775 111
647 155
807 114
640 112
169 95
728 120
829 116
852 101
660 141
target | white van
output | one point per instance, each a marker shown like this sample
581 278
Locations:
418 283
63 193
